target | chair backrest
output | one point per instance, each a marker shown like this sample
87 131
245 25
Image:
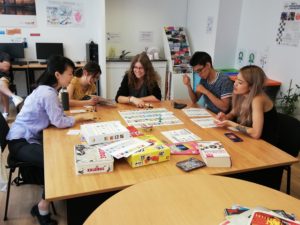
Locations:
4 128
289 134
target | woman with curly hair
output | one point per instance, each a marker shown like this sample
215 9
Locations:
140 83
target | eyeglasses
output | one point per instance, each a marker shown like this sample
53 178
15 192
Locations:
138 68
199 71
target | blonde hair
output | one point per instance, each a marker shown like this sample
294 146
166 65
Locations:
242 105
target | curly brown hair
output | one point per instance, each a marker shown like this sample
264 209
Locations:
150 78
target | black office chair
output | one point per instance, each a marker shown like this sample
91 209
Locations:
12 165
289 140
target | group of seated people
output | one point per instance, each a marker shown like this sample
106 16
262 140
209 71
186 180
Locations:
243 105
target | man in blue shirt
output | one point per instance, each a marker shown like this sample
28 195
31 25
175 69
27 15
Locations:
216 88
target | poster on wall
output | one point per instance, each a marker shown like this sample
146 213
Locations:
17 13
64 14
288 32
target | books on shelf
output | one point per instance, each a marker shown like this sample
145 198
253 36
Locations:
95 133
91 159
178 48
214 154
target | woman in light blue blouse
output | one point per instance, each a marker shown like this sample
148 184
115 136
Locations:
41 109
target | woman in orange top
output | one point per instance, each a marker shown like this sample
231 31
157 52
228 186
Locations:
82 88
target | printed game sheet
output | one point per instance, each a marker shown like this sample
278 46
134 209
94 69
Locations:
196 112
207 122
125 148
153 117
181 135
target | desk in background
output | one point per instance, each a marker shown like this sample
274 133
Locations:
30 69
191 199
61 181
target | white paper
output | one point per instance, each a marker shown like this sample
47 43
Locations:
154 117
181 135
196 112
146 36
125 148
77 111
73 132
205 122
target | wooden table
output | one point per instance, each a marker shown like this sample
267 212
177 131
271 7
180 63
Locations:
61 182
190 199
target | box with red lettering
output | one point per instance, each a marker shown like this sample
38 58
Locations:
91 159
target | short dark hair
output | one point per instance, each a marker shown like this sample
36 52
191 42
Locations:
200 58
56 63
4 57
91 67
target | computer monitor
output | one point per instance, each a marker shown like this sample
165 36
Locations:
15 50
45 50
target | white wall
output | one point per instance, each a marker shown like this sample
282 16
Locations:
197 15
213 27
74 39
129 17
258 29
227 33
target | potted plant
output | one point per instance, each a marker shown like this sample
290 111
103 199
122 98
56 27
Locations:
288 100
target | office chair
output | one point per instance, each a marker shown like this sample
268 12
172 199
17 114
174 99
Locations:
289 141
12 165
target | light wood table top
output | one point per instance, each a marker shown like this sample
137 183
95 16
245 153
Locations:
190 199
41 66
61 182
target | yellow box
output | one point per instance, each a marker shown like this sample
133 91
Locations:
157 152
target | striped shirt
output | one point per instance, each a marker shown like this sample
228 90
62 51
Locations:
221 87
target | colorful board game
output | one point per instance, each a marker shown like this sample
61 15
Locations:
153 117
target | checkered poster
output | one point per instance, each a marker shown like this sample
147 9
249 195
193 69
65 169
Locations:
288 32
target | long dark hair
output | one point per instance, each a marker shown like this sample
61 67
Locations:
151 77
55 63
91 67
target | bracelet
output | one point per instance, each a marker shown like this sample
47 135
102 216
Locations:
129 99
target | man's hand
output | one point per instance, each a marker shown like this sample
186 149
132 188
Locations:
201 89
186 80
